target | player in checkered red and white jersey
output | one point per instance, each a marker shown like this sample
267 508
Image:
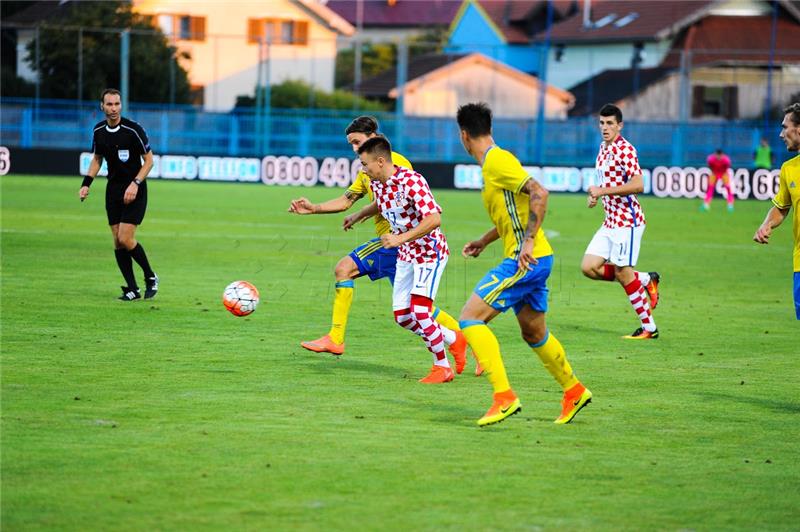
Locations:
614 250
404 198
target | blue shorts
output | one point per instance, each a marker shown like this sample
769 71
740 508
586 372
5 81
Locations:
505 286
373 260
797 294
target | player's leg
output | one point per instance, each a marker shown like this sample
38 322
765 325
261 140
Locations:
726 181
486 302
712 184
594 264
554 358
114 209
132 217
361 261
627 242
426 279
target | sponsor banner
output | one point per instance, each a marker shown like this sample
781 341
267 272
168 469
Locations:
662 181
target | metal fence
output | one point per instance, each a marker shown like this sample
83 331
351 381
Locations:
28 123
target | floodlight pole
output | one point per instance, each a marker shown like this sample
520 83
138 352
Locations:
399 103
124 66
544 53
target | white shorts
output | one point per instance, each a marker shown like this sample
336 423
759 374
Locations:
418 279
619 246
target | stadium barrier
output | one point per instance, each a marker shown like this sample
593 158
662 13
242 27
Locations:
281 170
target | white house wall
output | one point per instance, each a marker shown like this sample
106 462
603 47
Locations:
226 63
508 96
581 62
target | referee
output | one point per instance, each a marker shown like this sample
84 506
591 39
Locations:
123 144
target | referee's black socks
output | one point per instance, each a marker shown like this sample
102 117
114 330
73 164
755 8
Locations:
126 267
140 257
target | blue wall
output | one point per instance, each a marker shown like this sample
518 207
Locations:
474 34
320 133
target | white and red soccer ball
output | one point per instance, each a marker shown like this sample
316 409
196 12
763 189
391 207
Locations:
240 298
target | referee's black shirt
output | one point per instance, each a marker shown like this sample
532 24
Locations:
122 146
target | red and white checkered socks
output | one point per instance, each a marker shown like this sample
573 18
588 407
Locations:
431 332
405 319
638 298
643 277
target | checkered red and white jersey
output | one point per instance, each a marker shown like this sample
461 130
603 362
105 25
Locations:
404 200
616 164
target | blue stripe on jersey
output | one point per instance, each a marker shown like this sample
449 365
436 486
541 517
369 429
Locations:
511 207
630 206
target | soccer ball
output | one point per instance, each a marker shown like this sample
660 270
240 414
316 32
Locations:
240 298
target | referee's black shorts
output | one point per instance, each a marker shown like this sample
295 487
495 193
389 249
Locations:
116 209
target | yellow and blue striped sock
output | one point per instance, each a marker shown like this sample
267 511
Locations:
554 358
341 310
486 349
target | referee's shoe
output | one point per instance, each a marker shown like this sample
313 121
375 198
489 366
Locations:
151 287
129 294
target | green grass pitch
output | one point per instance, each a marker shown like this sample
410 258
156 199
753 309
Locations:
172 414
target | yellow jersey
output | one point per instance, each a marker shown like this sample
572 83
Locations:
788 197
509 207
361 186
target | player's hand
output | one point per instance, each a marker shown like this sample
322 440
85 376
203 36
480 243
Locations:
301 206
763 233
473 249
526 258
390 241
594 192
351 220
83 192
591 202
130 193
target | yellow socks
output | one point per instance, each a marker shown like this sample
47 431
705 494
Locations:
443 318
341 310
486 349
552 355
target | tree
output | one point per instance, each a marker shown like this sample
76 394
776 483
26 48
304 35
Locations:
297 94
151 58
379 57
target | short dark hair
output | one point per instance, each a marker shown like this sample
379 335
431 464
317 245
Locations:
475 119
794 111
610 109
108 91
378 146
363 124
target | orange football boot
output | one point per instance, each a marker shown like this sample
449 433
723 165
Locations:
438 375
324 345
641 334
574 399
652 289
459 351
505 404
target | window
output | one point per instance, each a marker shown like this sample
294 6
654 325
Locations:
722 102
183 27
277 31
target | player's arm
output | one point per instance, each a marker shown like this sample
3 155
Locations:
133 188
428 224
476 247
342 203
635 185
538 207
774 218
367 212
94 169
